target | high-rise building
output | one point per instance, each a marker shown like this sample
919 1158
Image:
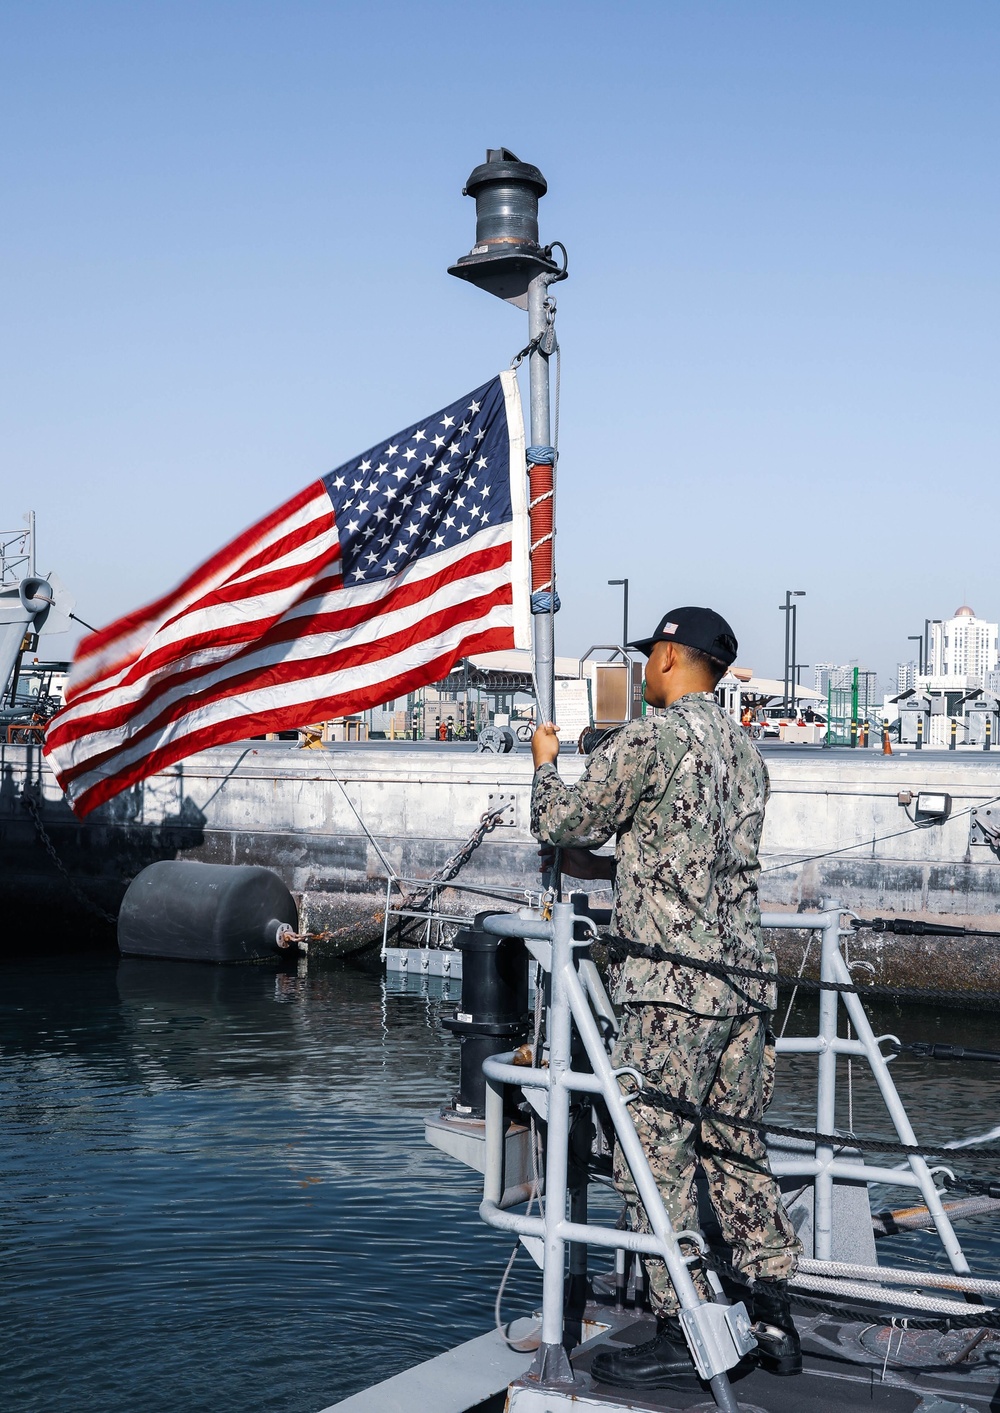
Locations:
841 675
906 676
964 646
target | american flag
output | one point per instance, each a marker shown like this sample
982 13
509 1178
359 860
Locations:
371 582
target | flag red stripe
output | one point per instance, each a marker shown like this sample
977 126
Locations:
288 718
285 629
211 568
357 655
267 581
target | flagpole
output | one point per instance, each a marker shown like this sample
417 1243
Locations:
540 482
508 261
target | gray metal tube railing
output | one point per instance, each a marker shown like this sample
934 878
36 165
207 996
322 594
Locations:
714 1333
826 1165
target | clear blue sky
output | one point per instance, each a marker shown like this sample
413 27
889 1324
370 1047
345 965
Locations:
225 240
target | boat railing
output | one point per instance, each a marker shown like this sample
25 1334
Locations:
718 1335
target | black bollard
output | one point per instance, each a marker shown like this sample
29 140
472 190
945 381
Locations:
493 1015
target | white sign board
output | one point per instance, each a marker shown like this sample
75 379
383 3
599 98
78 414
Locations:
573 710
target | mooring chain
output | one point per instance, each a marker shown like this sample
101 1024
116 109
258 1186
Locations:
488 821
45 839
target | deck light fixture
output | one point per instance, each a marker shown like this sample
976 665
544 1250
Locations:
932 807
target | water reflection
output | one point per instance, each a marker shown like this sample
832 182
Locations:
217 1192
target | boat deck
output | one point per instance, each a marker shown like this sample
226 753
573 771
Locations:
846 1368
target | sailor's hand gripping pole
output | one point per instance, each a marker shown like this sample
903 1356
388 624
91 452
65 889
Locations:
718 1336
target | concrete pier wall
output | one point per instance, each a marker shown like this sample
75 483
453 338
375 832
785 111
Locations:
330 822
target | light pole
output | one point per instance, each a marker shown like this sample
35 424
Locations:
624 586
789 609
918 638
508 261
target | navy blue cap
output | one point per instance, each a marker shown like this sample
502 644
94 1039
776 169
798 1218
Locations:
700 628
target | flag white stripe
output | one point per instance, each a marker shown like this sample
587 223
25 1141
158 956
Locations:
369 633
520 527
113 650
267 609
259 700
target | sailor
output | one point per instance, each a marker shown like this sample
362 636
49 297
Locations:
683 794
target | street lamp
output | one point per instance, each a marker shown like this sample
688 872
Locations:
918 638
789 610
624 586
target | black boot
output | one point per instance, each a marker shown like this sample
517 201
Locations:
778 1348
662 1362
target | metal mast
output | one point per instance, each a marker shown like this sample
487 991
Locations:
508 261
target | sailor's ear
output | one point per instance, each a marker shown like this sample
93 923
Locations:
663 658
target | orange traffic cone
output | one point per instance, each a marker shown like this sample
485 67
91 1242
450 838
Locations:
886 746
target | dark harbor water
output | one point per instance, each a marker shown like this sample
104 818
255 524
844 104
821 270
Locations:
216 1193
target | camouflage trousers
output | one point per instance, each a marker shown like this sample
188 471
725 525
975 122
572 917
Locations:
727 1064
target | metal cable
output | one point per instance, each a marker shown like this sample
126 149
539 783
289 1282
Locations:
698 1113
867 843
618 948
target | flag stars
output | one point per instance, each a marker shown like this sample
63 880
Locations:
447 421
438 442
409 453
420 436
482 463
474 407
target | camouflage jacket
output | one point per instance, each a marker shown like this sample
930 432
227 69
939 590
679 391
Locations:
684 794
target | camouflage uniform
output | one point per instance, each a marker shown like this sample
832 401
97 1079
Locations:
684 794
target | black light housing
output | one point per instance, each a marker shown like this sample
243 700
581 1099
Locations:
506 256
